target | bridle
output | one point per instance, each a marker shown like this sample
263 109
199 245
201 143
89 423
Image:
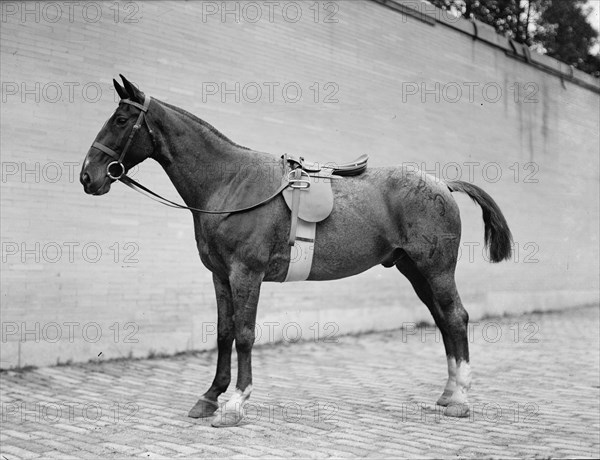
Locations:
121 176
138 124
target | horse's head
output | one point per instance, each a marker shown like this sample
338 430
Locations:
125 140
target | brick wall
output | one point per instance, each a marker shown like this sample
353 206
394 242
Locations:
86 277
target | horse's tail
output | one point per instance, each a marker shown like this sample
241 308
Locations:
497 235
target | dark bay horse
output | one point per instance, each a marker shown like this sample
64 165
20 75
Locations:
391 216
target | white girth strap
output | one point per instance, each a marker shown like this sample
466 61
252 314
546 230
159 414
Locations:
301 254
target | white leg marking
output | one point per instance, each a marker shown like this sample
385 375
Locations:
463 382
237 400
458 384
457 404
450 388
232 412
451 383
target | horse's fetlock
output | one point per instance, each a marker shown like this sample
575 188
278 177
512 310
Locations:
221 384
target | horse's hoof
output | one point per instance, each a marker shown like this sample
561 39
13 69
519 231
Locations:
457 410
226 419
203 408
444 400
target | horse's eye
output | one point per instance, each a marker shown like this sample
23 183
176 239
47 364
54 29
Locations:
121 120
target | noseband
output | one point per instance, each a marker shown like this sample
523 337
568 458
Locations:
119 158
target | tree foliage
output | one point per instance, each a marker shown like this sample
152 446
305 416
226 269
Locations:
559 28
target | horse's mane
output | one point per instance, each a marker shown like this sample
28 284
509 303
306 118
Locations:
207 125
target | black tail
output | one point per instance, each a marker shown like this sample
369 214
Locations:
497 234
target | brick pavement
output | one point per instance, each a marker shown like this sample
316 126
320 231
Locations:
535 394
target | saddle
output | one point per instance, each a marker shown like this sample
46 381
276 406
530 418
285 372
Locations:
310 198
309 195
354 168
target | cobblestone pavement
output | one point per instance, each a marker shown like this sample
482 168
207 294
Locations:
535 393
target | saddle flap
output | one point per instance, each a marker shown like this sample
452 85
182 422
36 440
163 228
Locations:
316 201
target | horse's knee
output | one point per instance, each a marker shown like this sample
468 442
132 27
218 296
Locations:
224 339
244 339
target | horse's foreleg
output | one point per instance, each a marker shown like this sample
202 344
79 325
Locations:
245 287
208 404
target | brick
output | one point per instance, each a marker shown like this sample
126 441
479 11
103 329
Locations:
9 451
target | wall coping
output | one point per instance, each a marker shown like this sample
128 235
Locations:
432 15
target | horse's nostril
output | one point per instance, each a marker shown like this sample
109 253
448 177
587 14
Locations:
85 178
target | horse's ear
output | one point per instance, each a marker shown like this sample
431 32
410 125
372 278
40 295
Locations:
134 94
120 90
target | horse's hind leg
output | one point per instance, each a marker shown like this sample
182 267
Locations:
438 292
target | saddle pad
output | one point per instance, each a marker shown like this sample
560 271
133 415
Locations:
301 254
316 201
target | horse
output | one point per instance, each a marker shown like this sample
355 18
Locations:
394 216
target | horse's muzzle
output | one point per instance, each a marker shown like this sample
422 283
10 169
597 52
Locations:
94 187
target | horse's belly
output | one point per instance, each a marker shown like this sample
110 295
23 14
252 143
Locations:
343 254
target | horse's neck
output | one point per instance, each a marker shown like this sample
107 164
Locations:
200 162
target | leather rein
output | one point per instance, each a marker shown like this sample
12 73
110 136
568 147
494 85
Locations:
123 177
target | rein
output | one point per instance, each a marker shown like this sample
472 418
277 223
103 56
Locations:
156 197
125 179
